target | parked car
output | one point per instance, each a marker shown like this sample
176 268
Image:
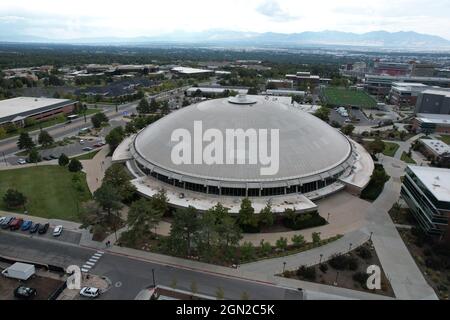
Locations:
6 222
24 292
57 231
26 225
47 158
35 228
43 228
90 292
52 156
16 224
2 219
88 149
81 141
21 161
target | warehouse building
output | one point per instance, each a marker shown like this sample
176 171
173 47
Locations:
17 110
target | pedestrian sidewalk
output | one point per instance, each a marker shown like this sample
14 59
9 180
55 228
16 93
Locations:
95 169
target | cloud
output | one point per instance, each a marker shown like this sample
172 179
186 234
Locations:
273 10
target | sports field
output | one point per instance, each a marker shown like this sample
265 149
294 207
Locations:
346 97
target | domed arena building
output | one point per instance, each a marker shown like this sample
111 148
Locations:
285 156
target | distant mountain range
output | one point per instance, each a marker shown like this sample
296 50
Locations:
377 39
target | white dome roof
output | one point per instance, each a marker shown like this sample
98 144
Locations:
308 146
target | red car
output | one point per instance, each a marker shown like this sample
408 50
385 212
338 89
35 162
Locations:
16 224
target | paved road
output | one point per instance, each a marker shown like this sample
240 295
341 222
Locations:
9 146
129 276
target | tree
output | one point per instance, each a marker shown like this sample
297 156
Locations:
376 146
266 216
282 244
143 106
154 106
265 247
403 135
246 217
2 132
185 224
316 238
143 216
247 251
75 165
160 201
25 142
34 156
117 176
108 197
348 129
298 240
63 160
115 137
323 113
14 199
99 119
130 128
45 138
228 231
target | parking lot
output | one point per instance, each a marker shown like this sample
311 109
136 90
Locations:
69 150
44 287
67 236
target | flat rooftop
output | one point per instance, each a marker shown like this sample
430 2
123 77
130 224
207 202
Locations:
443 119
186 70
439 91
21 105
438 146
436 180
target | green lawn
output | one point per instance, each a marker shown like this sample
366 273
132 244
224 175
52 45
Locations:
88 156
445 139
390 149
50 191
407 159
346 97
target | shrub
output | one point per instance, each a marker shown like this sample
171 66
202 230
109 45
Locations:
323 267
308 273
364 252
376 184
298 240
344 262
282 244
361 278
303 220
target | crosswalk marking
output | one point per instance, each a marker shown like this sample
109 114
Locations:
84 270
90 263
87 267
93 260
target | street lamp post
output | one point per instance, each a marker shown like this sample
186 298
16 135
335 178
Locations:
337 276
350 247
321 256
153 274
328 219
370 238
284 266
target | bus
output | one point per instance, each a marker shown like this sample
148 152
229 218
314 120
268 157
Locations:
71 118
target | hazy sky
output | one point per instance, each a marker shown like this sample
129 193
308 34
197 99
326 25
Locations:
98 18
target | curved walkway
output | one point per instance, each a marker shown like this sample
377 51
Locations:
96 167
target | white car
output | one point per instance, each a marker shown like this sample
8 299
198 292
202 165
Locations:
81 141
90 292
2 219
57 231
21 161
